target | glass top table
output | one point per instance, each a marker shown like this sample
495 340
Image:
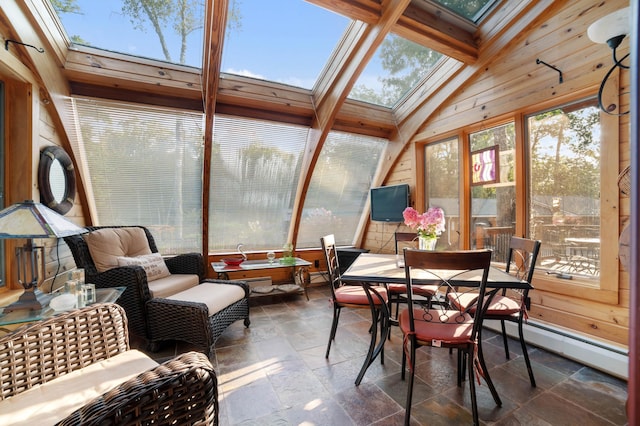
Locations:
300 269
103 295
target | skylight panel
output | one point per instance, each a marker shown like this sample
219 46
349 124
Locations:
284 41
396 68
472 10
157 31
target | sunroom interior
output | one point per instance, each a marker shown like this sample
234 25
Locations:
247 125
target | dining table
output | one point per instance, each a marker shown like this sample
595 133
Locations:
370 269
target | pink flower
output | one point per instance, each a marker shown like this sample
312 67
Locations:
429 224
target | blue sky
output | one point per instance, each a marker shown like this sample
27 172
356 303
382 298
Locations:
288 41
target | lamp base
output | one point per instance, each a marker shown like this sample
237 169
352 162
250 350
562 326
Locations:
27 301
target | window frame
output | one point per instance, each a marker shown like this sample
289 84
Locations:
605 289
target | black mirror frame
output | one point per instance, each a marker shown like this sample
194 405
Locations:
47 156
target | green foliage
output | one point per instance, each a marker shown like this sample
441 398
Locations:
65 6
406 62
573 166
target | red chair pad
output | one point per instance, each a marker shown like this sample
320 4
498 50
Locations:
452 331
355 295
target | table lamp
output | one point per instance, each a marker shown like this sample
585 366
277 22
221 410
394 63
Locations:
32 220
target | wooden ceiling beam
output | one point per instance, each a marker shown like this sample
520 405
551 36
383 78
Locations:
427 99
440 30
344 68
214 29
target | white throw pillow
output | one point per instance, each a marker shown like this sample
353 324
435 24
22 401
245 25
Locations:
153 265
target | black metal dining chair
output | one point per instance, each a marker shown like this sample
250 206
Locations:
511 304
440 326
353 296
397 291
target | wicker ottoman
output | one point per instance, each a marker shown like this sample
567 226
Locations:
198 315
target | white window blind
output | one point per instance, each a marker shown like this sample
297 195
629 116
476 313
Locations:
255 167
144 165
339 188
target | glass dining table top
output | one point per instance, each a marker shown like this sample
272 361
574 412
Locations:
103 295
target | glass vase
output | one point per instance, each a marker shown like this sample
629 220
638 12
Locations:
427 243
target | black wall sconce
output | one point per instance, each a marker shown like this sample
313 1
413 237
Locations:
611 29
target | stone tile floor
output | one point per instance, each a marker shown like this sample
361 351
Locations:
275 373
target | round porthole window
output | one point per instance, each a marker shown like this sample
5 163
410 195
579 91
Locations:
56 179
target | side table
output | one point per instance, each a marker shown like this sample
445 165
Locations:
299 270
103 295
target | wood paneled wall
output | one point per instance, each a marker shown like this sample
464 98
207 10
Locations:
516 84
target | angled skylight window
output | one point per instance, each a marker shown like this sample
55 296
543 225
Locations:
396 68
473 10
284 41
143 28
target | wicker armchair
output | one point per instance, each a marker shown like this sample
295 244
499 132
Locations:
137 294
180 391
163 319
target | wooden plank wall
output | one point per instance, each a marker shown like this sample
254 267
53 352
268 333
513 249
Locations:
516 84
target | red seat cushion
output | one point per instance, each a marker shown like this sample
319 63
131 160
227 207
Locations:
454 329
500 305
355 295
422 290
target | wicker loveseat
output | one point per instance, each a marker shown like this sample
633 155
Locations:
77 369
182 306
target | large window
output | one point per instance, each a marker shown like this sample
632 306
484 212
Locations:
564 187
493 189
144 167
339 188
255 168
442 189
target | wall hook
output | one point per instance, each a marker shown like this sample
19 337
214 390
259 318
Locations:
538 61
6 45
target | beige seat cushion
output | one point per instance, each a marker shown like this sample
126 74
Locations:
175 283
106 245
215 296
51 402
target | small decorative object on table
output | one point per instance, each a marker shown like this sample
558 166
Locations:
287 254
233 261
429 225
271 256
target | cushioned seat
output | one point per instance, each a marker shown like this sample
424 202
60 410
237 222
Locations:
77 368
162 299
215 296
175 283
52 401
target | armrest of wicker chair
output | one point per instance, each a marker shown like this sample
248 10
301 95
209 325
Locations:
183 390
186 263
135 296
67 342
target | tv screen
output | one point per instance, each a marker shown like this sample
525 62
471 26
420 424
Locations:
388 202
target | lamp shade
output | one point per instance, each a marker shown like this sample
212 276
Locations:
34 220
613 25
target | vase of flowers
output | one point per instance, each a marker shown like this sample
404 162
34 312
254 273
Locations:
429 225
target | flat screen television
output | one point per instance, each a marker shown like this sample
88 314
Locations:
388 202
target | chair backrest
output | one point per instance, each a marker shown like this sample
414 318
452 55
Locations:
409 238
523 253
328 243
82 255
443 267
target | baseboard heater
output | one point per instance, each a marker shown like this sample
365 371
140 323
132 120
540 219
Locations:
598 355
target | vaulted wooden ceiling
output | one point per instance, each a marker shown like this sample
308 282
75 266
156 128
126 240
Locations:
78 70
